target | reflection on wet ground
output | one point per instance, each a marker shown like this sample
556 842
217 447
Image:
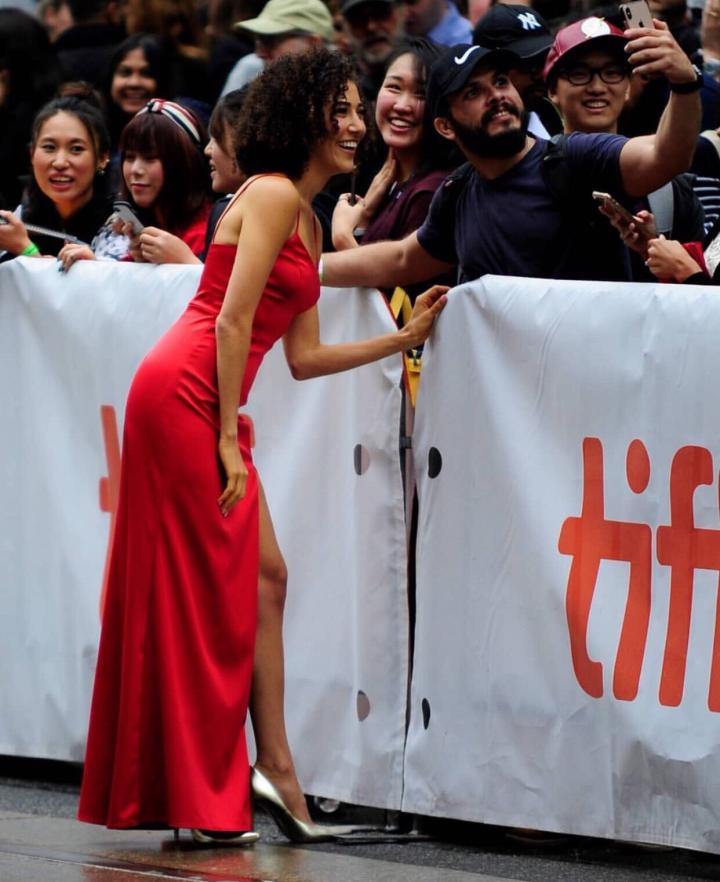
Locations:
37 849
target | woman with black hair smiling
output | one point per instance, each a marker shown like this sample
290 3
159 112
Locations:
166 744
68 191
418 159
139 71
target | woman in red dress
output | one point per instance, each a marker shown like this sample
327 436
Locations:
166 745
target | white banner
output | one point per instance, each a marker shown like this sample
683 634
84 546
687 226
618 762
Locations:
567 663
69 345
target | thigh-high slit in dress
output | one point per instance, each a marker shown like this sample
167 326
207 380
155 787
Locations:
166 743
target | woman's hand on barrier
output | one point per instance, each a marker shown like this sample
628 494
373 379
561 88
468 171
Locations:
72 252
667 259
159 246
235 473
13 235
428 307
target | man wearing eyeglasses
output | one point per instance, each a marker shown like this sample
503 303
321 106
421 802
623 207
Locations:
500 213
588 76
589 79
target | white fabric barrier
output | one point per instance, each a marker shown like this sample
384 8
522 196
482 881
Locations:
69 345
553 686
327 453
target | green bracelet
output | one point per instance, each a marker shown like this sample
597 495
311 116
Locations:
30 251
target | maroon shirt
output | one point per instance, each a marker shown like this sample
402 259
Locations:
403 211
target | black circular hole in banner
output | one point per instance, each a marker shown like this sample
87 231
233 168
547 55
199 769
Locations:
434 462
363 706
425 713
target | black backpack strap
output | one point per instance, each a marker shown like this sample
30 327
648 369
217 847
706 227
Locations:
586 232
456 180
557 172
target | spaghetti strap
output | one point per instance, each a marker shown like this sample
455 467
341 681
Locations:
239 193
316 224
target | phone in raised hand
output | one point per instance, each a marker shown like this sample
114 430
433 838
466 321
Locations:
124 212
636 14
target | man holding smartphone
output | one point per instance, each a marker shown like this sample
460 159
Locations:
589 80
499 214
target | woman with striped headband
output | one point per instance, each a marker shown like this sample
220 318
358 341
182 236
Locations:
165 179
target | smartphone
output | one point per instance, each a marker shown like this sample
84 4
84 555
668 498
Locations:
636 14
123 210
611 204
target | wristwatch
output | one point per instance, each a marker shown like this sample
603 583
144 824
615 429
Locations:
693 86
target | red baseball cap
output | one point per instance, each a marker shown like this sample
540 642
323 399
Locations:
578 34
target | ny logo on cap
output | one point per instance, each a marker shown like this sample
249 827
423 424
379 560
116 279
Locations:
528 21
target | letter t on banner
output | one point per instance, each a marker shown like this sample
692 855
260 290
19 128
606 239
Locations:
590 539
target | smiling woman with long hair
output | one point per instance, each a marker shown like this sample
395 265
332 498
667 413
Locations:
166 744
139 71
417 162
68 191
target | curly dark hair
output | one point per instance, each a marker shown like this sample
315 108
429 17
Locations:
285 112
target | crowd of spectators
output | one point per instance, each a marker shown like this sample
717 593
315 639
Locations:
103 100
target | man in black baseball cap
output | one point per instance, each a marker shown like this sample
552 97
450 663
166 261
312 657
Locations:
526 34
517 28
502 212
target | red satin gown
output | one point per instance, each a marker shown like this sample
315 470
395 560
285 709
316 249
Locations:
166 744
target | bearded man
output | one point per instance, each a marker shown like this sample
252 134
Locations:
501 213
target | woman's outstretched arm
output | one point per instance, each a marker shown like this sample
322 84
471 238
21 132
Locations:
308 357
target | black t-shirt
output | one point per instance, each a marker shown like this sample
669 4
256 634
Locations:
514 225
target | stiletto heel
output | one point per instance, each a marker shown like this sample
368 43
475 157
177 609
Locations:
267 795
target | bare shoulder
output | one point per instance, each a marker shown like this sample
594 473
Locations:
271 191
272 200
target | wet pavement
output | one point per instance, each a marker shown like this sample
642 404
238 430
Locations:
44 849
41 842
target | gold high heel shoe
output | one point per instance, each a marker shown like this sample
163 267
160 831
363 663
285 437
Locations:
267 795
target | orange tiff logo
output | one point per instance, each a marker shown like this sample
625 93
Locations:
681 546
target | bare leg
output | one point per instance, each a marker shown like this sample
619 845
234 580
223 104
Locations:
267 699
